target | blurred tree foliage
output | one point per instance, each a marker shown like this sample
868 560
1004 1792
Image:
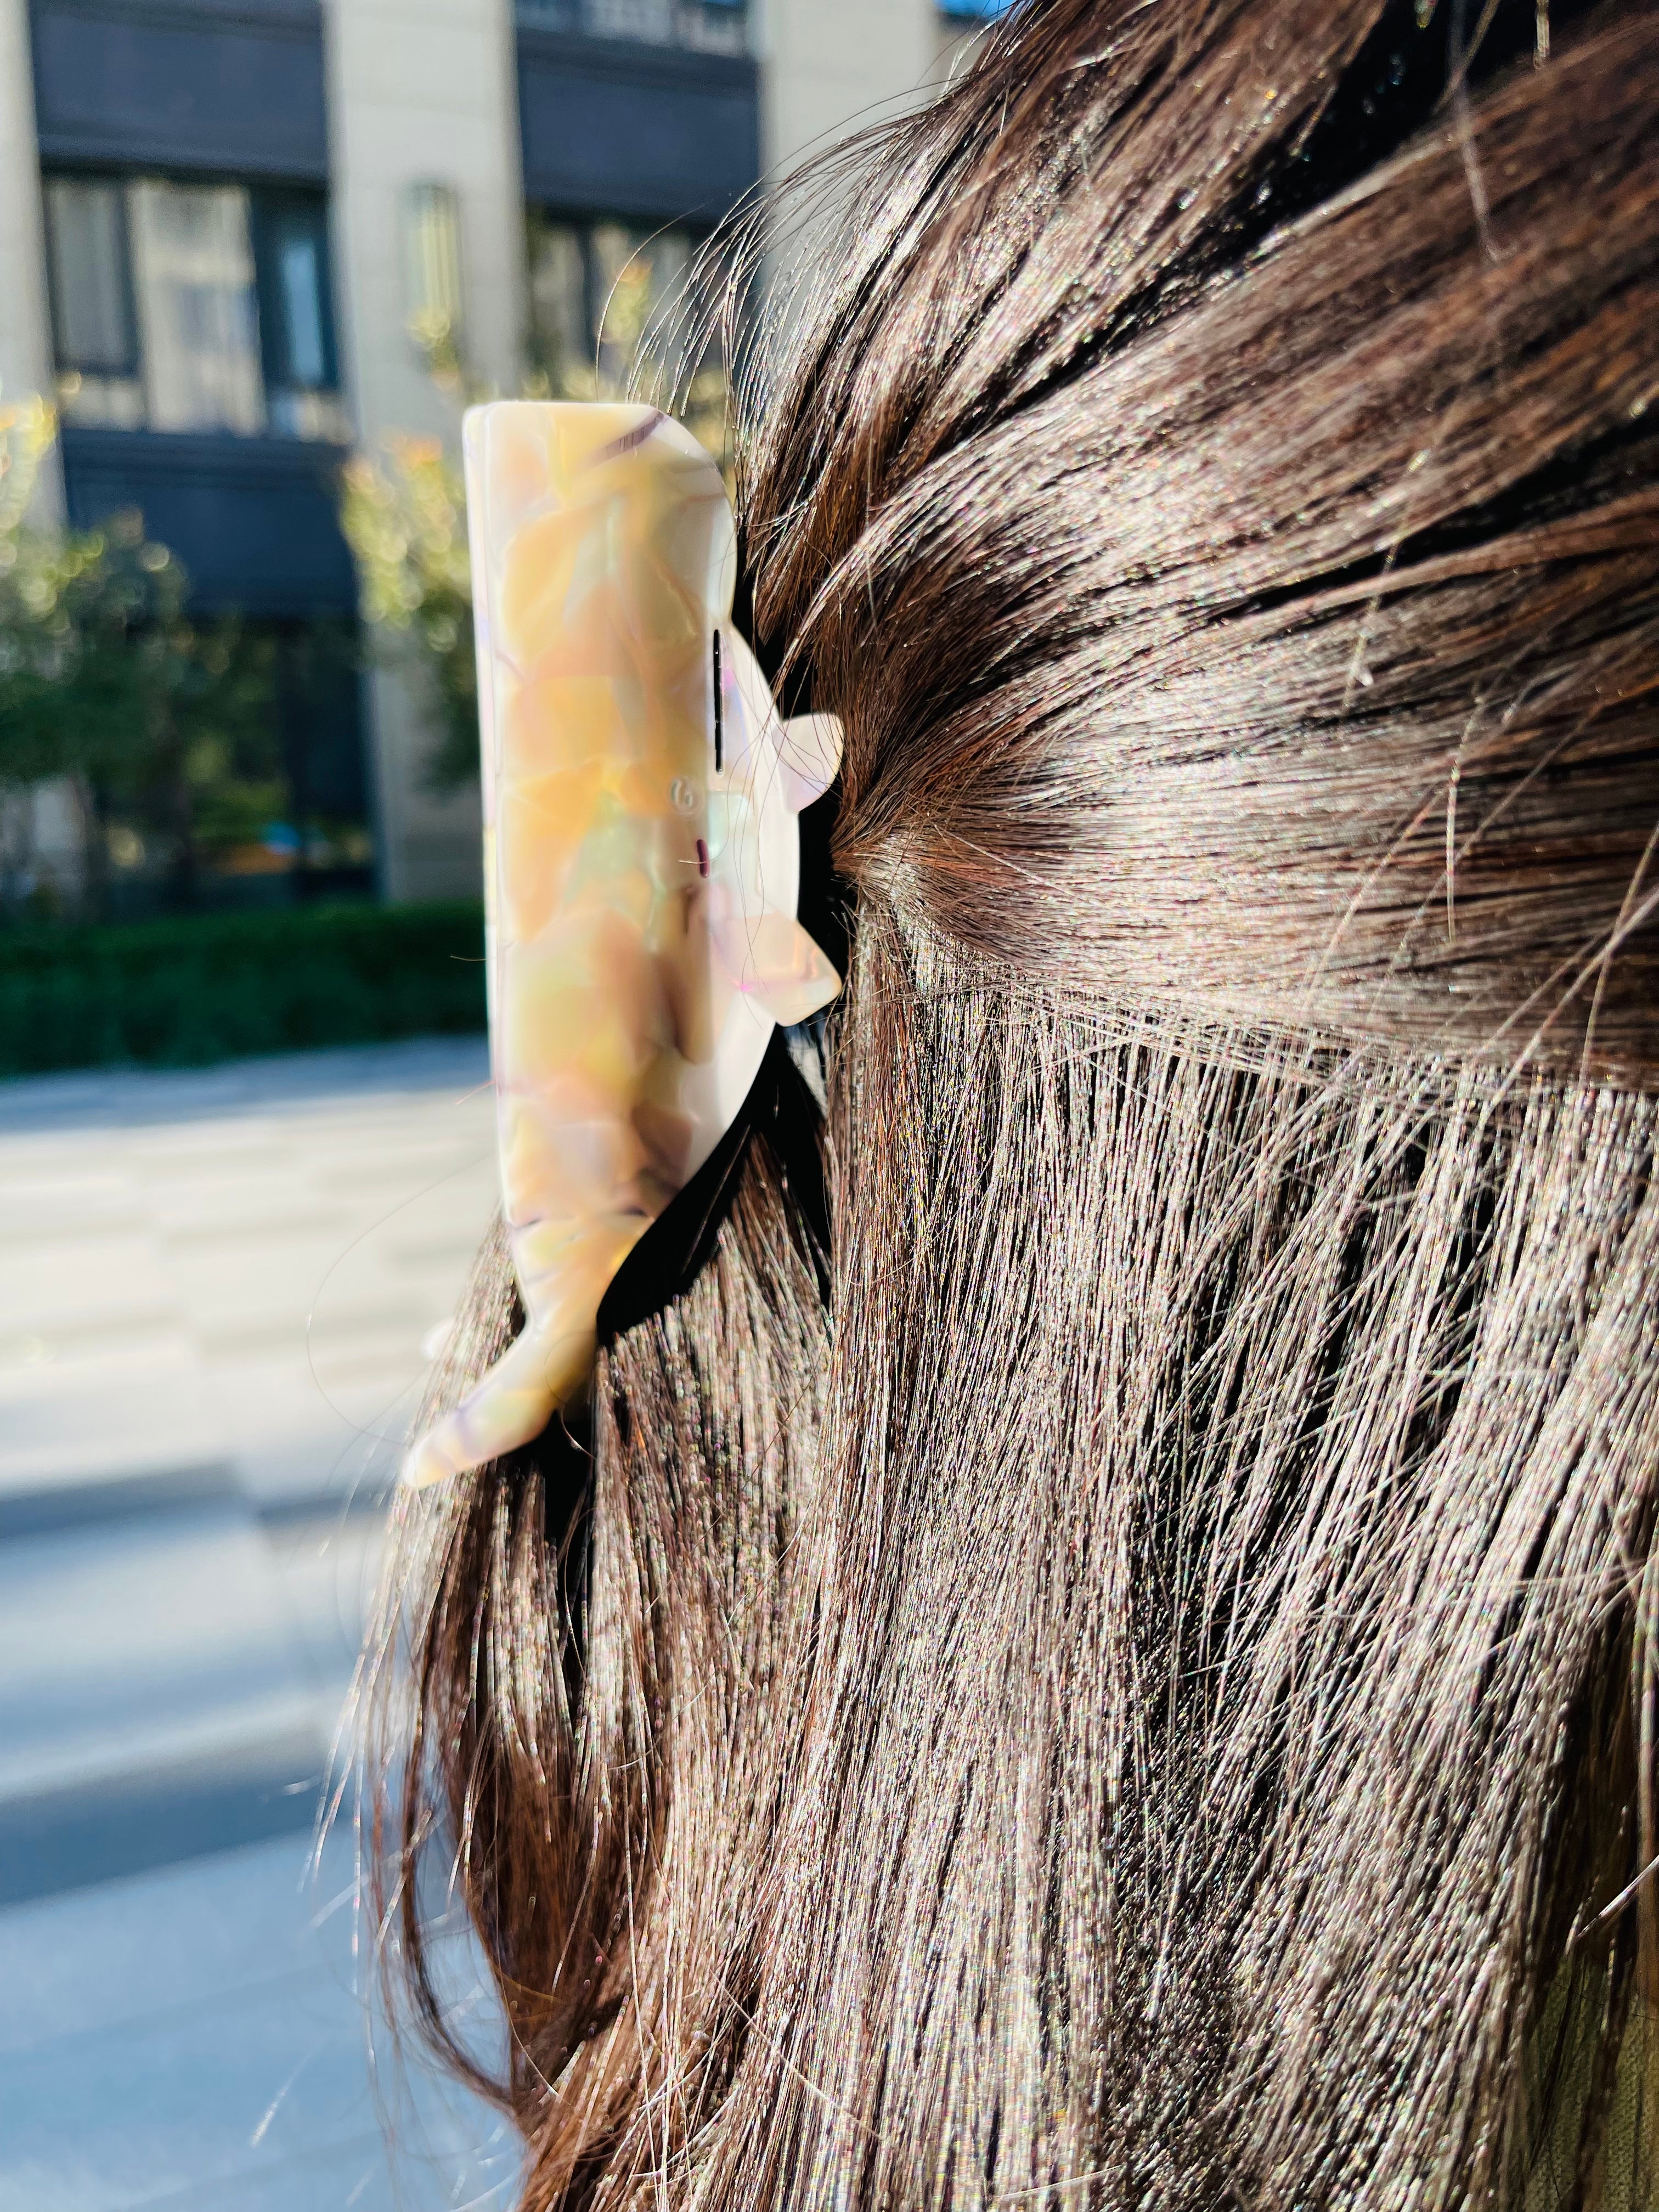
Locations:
151 719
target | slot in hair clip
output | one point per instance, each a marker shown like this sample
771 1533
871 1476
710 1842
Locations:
641 863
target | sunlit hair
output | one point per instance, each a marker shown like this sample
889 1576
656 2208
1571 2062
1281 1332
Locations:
1126 1680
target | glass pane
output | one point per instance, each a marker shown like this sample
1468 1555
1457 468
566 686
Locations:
652 20
432 265
562 351
87 248
193 265
296 414
616 311
717 26
290 248
298 266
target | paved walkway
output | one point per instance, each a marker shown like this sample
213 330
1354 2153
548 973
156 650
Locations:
214 1293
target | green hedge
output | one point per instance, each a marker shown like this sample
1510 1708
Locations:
181 992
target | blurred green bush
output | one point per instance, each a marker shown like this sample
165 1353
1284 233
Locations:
178 993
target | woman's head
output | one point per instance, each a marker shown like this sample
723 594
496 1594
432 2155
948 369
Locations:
1119 1682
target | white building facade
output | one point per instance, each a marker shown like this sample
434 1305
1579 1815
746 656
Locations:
227 226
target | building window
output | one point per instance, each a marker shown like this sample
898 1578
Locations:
189 306
433 299
93 330
198 328
296 328
615 309
717 26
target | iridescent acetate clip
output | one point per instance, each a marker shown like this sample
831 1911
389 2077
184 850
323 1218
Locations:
641 863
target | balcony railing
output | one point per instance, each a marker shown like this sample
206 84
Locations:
717 26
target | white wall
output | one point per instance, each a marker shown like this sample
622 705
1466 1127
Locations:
832 65
42 831
422 92
25 338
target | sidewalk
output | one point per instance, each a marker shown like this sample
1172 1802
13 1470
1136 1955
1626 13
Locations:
214 1290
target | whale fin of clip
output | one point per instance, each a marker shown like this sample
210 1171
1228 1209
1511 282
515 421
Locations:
641 863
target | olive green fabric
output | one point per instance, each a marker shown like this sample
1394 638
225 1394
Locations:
1618 2166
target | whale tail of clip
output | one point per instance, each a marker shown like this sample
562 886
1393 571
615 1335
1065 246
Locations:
508 1407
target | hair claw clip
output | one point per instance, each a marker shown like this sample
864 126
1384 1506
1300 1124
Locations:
641 863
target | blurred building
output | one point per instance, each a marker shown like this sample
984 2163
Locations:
219 219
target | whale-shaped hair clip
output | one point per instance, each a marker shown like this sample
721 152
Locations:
641 863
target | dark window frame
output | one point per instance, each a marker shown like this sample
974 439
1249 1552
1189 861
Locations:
62 364
267 204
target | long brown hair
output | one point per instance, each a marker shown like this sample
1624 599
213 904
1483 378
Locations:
1128 1679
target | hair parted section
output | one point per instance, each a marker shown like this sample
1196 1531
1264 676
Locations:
1144 1695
